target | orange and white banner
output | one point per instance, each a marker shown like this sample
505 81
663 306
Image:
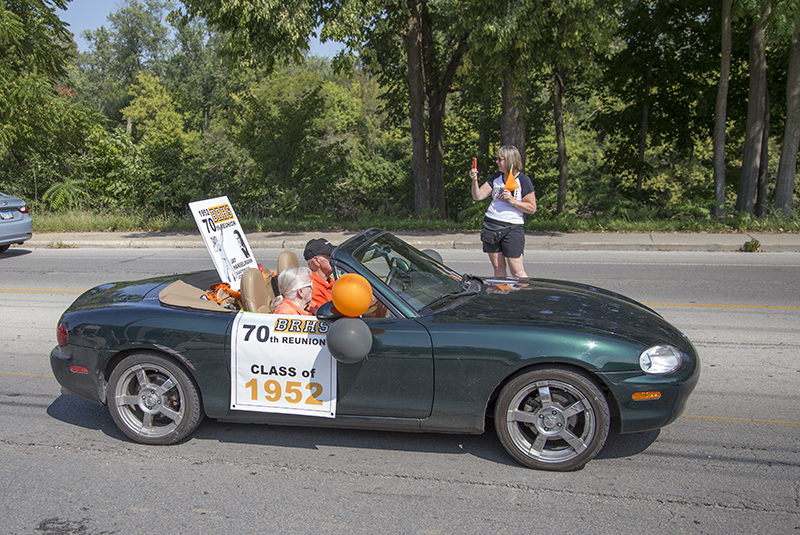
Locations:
282 364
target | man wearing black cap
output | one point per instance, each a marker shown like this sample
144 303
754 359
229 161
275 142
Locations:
318 255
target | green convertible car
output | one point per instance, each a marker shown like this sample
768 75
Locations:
552 364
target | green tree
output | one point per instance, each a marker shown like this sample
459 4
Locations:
42 126
153 111
266 32
137 40
316 145
195 73
415 47
140 37
581 34
34 54
97 78
116 170
199 76
565 38
160 127
657 106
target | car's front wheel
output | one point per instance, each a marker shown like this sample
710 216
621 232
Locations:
552 419
153 400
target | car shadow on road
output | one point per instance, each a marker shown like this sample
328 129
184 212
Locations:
619 446
11 253
81 413
485 446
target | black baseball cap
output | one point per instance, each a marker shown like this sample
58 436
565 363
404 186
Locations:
318 246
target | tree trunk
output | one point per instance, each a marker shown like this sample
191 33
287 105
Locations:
754 130
436 107
512 119
416 93
642 142
561 144
437 86
721 111
784 186
763 171
426 80
483 136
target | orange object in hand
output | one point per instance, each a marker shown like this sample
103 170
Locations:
511 182
474 163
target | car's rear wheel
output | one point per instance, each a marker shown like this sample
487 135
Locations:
552 419
153 400
4 248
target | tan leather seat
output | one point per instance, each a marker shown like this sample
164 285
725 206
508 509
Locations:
287 259
256 293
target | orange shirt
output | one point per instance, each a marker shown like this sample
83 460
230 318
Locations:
321 292
287 307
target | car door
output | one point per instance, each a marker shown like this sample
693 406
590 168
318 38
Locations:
396 379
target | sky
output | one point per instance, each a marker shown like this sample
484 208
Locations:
91 14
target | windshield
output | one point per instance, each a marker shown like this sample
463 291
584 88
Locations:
419 280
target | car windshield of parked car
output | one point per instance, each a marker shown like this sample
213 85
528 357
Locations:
419 280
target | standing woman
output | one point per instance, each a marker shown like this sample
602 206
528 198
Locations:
503 232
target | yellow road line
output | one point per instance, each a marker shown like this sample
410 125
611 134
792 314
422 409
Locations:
741 420
20 374
717 306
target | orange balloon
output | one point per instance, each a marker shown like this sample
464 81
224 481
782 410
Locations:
352 294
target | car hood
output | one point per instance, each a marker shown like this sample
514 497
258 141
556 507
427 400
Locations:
572 305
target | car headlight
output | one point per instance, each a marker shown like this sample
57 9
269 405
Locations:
660 360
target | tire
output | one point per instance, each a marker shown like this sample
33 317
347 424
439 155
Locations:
153 400
4 248
552 419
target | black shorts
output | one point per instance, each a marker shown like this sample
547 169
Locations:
512 245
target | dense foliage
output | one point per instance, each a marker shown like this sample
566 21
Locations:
164 108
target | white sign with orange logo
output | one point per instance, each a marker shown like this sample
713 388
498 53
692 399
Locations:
282 364
224 239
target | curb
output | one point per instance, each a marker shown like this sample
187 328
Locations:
443 241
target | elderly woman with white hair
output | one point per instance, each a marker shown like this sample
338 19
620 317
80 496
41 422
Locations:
295 286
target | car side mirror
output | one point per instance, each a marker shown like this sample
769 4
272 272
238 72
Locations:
327 312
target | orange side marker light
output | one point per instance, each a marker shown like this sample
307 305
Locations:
646 396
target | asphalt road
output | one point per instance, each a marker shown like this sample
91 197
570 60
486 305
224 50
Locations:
731 464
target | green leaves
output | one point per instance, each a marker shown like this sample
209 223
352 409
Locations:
33 58
266 31
153 112
67 194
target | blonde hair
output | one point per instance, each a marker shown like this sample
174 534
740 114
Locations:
512 157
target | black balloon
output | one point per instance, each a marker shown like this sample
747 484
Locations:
349 340
433 254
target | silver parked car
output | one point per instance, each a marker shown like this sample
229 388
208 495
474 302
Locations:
16 225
